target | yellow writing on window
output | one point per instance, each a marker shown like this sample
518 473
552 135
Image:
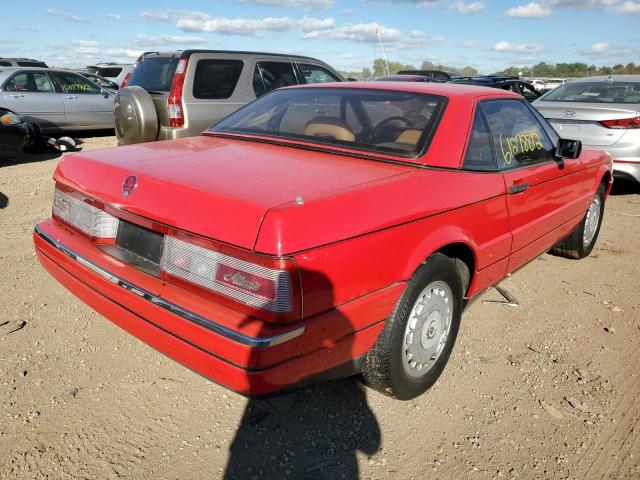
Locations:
522 143
76 87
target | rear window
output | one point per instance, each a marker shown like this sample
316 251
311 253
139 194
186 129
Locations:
108 71
216 79
154 74
383 121
5 64
32 64
596 92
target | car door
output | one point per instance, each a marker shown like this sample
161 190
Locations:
269 74
86 105
32 94
543 193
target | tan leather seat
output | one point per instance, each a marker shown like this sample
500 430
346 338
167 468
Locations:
410 136
329 127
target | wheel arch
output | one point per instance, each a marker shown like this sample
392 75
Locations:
455 244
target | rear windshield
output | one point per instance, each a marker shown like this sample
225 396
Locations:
154 74
596 92
4 64
32 64
108 71
384 121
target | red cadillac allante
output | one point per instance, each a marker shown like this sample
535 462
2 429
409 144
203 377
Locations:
322 231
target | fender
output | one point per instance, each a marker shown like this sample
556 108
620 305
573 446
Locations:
603 170
435 241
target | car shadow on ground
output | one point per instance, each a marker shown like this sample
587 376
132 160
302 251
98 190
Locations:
314 433
625 187
4 201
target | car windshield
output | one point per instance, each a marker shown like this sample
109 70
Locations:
154 74
385 121
596 92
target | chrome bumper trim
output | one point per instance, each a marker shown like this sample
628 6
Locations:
238 337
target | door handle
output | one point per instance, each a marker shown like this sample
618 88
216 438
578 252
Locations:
517 188
17 95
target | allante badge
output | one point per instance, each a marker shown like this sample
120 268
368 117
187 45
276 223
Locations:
129 185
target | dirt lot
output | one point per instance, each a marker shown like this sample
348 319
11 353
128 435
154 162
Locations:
547 390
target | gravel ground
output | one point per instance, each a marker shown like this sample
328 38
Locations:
550 389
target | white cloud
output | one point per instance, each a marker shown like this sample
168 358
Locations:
309 24
171 15
85 43
150 41
530 10
306 4
603 49
517 47
237 26
467 8
627 7
357 32
66 15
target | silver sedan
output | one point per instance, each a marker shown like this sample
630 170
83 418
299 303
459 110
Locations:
603 112
56 99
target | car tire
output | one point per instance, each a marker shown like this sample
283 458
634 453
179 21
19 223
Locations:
416 342
582 239
136 118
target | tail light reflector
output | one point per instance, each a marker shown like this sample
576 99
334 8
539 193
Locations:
176 109
126 80
270 289
623 123
96 223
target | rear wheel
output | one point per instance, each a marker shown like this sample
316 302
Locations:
581 241
417 339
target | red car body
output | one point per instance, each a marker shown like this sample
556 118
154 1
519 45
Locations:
355 230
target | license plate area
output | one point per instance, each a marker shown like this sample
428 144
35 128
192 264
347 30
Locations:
137 246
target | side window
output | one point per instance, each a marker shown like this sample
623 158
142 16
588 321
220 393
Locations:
5 64
29 82
111 72
216 79
271 75
72 83
315 74
527 92
480 150
518 136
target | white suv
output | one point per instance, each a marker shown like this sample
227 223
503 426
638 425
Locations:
116 72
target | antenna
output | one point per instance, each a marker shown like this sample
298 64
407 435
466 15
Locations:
384 55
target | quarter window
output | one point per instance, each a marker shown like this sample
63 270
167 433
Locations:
271 75
216 79
480 151
30 82
518 137
315 74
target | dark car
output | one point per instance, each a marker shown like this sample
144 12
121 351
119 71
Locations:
15 133
513 84
435 75
404 78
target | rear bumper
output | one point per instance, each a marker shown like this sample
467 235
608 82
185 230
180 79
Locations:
240 353
174 133
628 170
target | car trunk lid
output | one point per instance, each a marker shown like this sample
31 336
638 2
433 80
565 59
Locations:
214 187
580 121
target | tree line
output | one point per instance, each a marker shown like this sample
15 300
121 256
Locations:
542 69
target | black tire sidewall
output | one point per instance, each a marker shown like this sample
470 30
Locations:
584 251
438 268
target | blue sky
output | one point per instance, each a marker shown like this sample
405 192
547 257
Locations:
486 35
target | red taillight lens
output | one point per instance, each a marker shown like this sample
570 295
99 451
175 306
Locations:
176 110
126 80
622 123
263 286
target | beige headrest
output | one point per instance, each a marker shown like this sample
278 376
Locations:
409 136
329 128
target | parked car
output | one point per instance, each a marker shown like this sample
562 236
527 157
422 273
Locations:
180 94
321 231
14 132
435 75
55 99
603 112
116 72
21 62
513 84
404 78
101 81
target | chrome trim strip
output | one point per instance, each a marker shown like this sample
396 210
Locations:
254 342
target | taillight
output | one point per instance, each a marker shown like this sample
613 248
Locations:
266 287
76 212
622 123
126 80
176 109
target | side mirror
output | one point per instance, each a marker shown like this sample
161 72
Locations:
351 79
568 148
